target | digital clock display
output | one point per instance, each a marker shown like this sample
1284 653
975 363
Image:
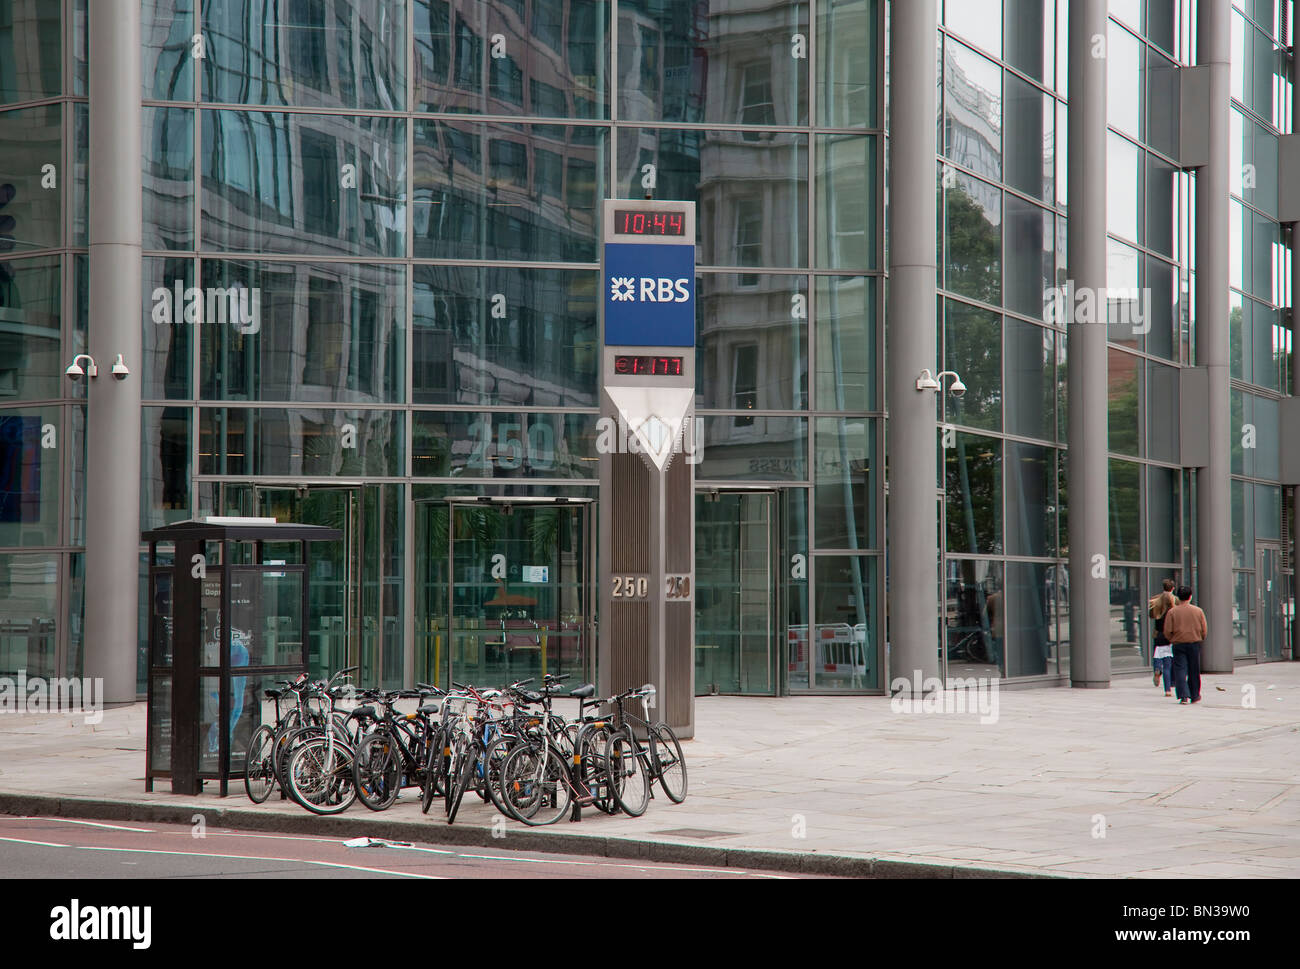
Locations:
639 222
648 366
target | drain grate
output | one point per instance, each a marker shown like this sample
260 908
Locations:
696 833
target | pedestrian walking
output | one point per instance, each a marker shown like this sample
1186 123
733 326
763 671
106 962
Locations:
1186 629
1162 657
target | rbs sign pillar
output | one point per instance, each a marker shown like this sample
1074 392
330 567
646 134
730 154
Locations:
648 451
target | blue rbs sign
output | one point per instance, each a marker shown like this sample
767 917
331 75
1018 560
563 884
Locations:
649 295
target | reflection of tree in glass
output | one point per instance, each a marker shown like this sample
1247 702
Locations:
974 250
973 482
973 348
1122 410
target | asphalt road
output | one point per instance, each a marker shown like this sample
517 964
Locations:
64 848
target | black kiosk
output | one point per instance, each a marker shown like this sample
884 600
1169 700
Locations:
228 619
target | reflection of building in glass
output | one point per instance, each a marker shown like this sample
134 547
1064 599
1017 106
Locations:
370 283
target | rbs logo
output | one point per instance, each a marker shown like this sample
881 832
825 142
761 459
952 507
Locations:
648 289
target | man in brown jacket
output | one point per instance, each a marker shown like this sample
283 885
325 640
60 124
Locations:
1185 627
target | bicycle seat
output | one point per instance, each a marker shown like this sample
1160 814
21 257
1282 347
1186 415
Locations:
584 692
273 694
429 708
366 711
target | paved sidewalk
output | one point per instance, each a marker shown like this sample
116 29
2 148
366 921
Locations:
846 784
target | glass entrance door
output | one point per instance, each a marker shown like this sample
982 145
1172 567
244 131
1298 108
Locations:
521 598
1268 612
735 592
335 637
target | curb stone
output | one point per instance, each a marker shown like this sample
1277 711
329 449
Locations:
811 863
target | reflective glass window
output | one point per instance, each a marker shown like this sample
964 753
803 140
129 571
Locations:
848 63
167 30
1125 306
1123 393
1158 307
1031 499
1163 421
1030 597
465 444
1161 103
1256 66
1028 256
1124 187
1031 376
752 341
1125 68
975 622
31 210
979 23
1160 196
972 238
972 110
726 63
844 492
847 212
845 322
481 58
752 197
1243 523
29 589
499 336
1125 511
313 442
167 136
1253 162
301 331
972 347
846 616
165 446
1268 512
31 51
30 475
504 191
766 449
973 500
1027 151
167 338
31 361
309 53
1128 619
1163 505
1028 37
304 183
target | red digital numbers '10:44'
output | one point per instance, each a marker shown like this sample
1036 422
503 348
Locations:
637 222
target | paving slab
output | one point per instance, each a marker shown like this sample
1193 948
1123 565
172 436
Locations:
1206 790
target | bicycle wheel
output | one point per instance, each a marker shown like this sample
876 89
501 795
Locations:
669 762
493 761
429 776
259 772
592 772
535 784
455 761
629 783
321 783
285 730
468 761
377 770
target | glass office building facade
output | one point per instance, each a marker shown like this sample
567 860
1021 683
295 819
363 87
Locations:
369 280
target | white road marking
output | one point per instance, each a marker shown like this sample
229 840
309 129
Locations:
92 824
43 844
300 861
